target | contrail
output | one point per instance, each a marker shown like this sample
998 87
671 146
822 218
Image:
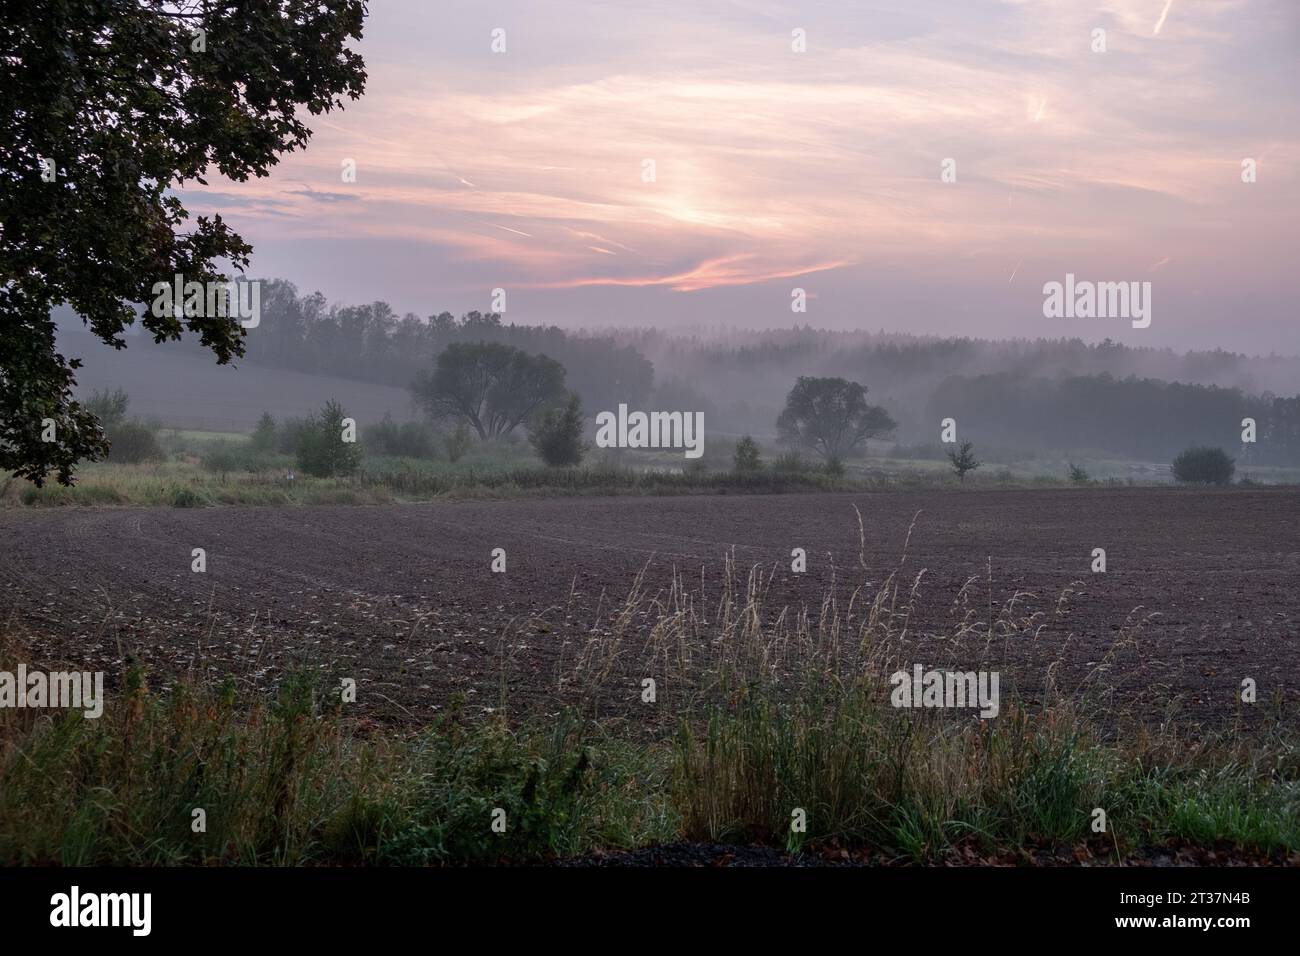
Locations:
1163 13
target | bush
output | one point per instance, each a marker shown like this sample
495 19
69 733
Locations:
108 407
130 442
220 457
188 498
407 440
289 435
1077 474
790 464
321 449
746 460
1204 466
556 435
133 442
963 460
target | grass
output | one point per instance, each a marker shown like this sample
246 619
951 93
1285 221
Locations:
922 787
182 482
289 781
759 715
292 781
205 469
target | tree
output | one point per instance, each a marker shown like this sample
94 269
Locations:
129 442
1077 473
831 417
746 460
556 433
963 460
264 437
1204 466
106 109
321 449
494 387
109 407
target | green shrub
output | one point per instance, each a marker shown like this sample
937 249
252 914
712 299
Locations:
1204 466
746 459
556 435
265 438
407 440
321 449
189 498
963 460
289 435
109 407
133 442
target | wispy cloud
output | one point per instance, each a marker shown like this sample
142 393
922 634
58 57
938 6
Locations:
770 164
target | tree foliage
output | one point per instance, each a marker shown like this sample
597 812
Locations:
106 108
1141 418
556 434
493 387
1204 466
109 407
830 417
129 442
265 437
746 460
372 343
963 459
321 449
407 440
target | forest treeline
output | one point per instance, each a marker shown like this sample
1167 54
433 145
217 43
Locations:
1136 417
1040 395
372 343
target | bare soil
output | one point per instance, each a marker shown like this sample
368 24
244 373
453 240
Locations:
402 598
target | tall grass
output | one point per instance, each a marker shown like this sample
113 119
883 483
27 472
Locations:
761 712
288 781
223 477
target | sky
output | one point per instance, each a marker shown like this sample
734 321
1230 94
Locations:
777 168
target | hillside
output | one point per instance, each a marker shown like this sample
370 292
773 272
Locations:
186 391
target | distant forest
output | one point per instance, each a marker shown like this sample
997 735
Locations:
1035 395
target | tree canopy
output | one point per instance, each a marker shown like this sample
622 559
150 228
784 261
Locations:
1204 466
492 386
830 417
105 108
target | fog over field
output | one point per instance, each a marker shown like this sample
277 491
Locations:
1020 396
